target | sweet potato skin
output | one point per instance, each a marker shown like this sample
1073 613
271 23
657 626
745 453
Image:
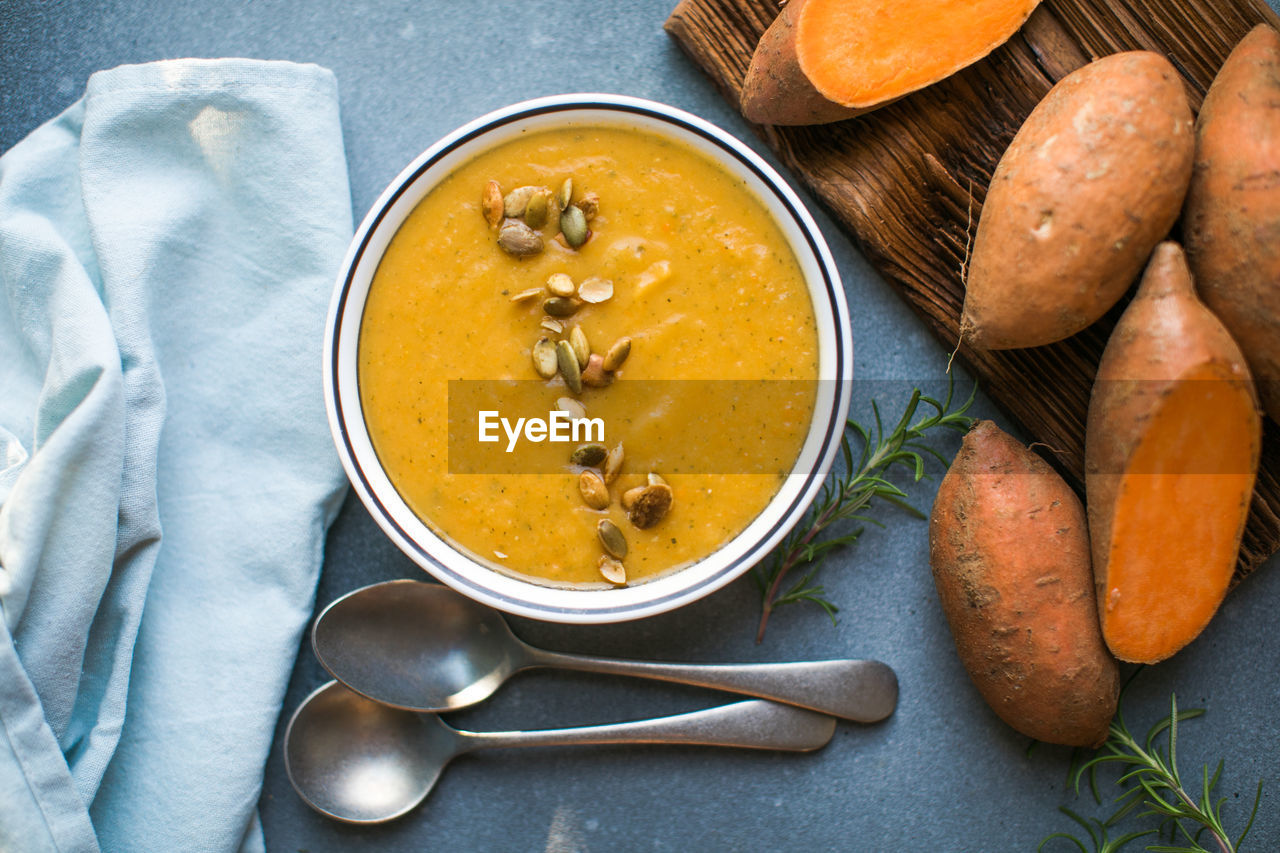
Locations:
1164 335
1093 179
1010 557
776 90
1232 217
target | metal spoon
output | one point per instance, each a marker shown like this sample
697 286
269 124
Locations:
423 647
364 762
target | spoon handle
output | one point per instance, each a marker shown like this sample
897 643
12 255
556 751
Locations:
753 724
861 690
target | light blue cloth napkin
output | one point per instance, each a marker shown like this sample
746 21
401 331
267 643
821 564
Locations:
167 250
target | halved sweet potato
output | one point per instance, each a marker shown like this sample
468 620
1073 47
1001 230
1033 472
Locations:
1171 452
825 60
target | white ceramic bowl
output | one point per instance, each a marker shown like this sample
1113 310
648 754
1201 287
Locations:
529 598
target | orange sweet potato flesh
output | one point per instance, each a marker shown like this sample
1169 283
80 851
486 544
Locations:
1171 453
826 60
1232 218
1010 555
1093 180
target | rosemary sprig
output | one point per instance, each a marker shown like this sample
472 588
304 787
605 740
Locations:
1101 844
847 495
1152 779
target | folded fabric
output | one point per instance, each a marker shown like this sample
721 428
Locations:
167 249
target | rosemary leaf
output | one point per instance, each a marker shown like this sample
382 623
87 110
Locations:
853 490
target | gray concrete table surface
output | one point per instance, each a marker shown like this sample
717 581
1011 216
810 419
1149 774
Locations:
942 774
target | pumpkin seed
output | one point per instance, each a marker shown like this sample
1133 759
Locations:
613 463
595 493
573 224
617 354
526 295
582 349
630 496
560 306
650 506
612 570
656 479
566 193
595 290
544 358
589 204
576 410
551 324
568 363
539 206
517 201
519 239
561 285
594 374
491 204
615 544
588 455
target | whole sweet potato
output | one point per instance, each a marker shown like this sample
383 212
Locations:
1232 220
1172 445
1010 556
1093 179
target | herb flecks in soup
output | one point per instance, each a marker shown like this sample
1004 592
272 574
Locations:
654 270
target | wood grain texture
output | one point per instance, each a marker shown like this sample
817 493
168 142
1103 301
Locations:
907 182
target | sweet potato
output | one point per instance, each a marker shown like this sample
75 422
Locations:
826 60
1172 444
1010 557
1232 217
1093 179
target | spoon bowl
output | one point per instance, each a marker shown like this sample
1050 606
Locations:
359 761
416 646
424 647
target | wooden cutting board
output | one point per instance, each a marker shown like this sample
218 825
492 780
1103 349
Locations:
907 182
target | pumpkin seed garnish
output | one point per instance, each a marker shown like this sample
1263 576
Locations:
595 493
551 324
655 479
594 374
612 570
615 544
588 455
650 506
539 206
573 224
582 349
519 239
544 358
595 290
560 306
491 204
566 193
617 354
561 285
576 410
526 295
589 204
613 463
630 496
517 201
568 363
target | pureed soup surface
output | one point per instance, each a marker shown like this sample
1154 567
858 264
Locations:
704 285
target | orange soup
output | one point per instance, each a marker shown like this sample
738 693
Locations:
660 262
